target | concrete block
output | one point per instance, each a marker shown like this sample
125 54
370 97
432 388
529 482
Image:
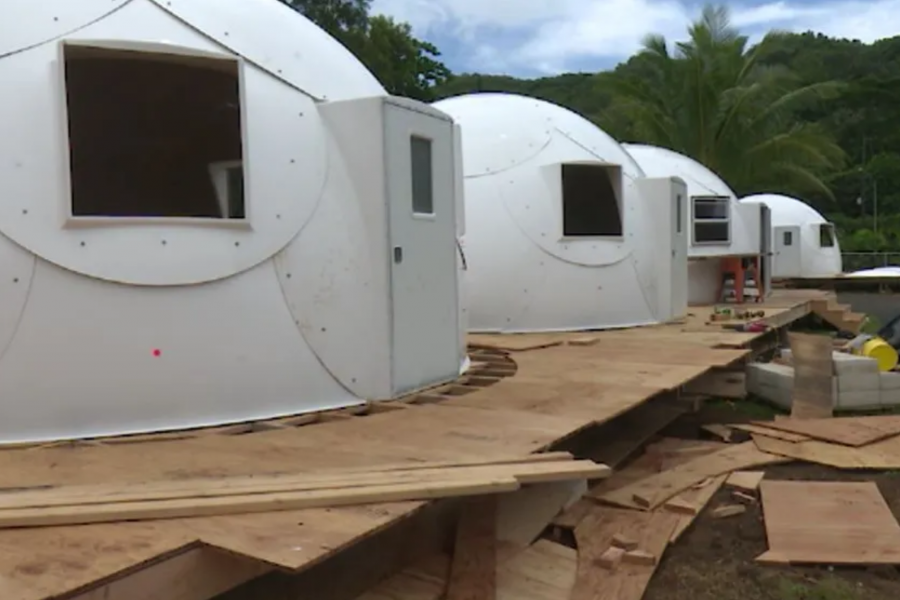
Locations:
776 395
890 397
861 400
889 381
858 382
771 374
848 364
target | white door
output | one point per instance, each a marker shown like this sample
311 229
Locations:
423 251
679 249
787 252
765 247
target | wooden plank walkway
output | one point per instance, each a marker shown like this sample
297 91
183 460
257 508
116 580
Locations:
557 391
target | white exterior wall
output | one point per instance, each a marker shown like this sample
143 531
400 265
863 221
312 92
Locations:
522 274
289 314
815 261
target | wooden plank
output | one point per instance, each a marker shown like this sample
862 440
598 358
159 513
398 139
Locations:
850 431
361 567
813 395
719 384
473 572
594 536
625 434
195 574
540 471
697 498
544 571
745 480
883 455
427 580
768 431
80 514
523 515
833 523
653 491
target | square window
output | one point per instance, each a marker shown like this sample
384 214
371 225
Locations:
590 200
146 131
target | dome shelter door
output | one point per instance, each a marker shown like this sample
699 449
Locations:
419 156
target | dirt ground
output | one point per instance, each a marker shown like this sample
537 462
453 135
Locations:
715 559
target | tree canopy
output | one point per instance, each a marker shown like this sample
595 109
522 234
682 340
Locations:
800 114
404 64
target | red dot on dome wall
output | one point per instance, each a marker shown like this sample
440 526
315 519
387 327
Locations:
156 352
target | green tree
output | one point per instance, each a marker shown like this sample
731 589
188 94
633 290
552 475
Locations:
714 100
405 65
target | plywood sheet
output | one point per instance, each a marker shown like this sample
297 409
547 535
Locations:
883 455
833 523
594 535
653 491
763 429
544 571
473 570
746 480
850 431
812 397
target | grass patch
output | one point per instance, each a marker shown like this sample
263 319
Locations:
830 588
750 407
871 325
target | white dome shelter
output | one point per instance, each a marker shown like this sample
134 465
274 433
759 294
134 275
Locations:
212 212
719 225
562 230
804 243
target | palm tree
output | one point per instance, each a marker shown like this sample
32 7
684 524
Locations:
715 100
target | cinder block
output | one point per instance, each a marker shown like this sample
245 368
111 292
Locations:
890 397
847 364
858 382
861 400
778 396
771 374
889 381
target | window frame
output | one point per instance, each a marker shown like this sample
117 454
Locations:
413 138
616 183
695 220
73 221
832 235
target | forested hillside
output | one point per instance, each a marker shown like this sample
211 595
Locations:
805 115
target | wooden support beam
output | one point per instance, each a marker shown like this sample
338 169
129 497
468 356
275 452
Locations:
195 574
473 570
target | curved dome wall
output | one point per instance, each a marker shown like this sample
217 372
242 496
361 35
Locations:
256 304
815 252
526 272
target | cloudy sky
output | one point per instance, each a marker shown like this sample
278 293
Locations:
540 37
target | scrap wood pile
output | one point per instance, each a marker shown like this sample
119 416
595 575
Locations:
623 526
53 505
654 499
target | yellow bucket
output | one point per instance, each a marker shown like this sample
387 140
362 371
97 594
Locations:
883 353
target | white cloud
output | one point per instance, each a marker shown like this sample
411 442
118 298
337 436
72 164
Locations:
552 35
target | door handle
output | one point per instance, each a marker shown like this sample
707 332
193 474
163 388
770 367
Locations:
398 255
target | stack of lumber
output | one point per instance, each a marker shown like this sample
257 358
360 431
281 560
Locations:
81 504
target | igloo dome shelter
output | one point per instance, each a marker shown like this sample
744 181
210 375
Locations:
719 225
212 212
562 230
804 243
